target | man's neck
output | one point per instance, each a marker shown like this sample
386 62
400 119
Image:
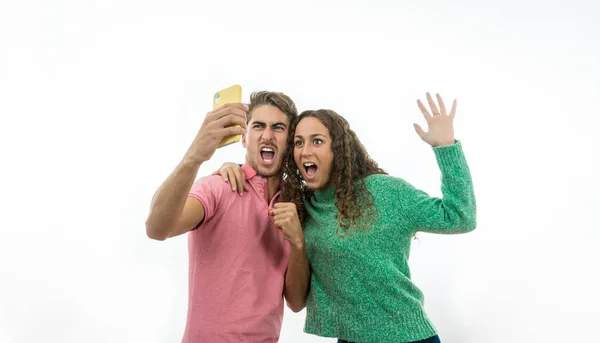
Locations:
273 182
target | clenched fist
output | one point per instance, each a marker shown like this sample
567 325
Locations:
285 216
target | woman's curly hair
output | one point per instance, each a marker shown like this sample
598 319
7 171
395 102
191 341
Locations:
351 164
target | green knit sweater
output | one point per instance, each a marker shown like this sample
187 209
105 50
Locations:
361 287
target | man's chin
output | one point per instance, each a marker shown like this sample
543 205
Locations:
269 171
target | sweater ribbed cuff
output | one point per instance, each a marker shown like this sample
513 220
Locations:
450 155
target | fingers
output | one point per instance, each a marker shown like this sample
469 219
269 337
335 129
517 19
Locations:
424 110
231 120
224 175
442 106
227 115
231 131
281 206
240 180
434 109
453 110
279 211
232 172
285 216
419 130
284 210
231 178
283 219
238 109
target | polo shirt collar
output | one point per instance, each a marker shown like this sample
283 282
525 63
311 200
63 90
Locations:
249 171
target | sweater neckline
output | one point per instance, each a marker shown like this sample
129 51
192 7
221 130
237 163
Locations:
325 195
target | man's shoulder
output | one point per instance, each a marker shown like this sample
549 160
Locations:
211 184
212 181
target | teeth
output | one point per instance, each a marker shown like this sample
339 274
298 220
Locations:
308 164
267 149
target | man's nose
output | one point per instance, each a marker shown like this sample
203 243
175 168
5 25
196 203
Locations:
268 133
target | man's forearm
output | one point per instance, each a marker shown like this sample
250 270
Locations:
169 200
297 278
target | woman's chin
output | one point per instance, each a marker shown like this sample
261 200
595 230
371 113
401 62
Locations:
312 183
317 185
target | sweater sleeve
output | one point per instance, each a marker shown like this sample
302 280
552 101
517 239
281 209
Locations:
455 212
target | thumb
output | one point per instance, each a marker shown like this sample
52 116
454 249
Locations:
224 175
419 130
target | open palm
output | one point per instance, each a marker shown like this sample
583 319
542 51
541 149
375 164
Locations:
440 129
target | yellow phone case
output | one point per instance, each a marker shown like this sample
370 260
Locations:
227 96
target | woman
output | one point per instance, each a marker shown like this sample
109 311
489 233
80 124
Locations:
359 224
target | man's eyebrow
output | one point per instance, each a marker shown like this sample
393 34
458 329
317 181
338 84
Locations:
262 123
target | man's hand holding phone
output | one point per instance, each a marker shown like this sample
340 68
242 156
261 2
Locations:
218 124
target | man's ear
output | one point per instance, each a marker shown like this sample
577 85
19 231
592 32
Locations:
244 140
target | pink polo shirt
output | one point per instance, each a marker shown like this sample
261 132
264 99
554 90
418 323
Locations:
237 264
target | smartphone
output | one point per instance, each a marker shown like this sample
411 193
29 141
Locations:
226 96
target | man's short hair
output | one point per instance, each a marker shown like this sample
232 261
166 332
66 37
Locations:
283 102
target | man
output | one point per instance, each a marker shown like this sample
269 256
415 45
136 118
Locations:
244 251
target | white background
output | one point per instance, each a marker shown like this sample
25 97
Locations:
100 99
